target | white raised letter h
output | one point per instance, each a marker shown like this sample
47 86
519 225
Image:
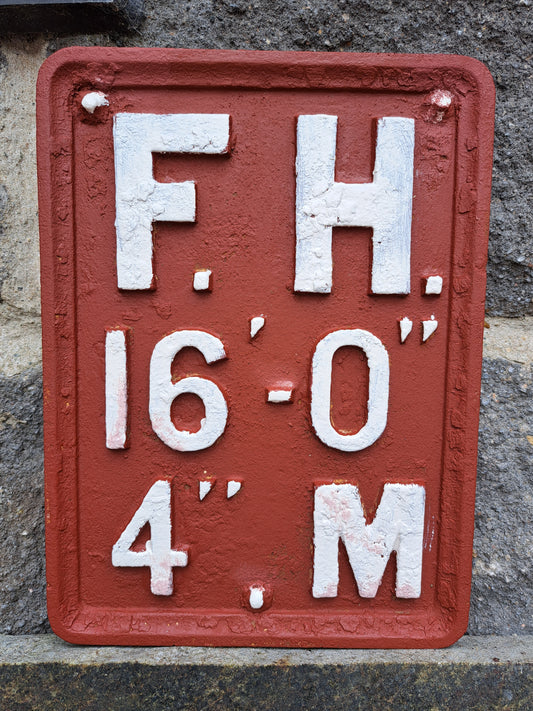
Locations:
385 204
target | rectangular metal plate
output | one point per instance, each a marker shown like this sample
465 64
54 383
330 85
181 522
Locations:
263 288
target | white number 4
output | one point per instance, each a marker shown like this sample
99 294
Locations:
158 556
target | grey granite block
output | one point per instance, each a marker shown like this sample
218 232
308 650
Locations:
22 578
41 672
502 584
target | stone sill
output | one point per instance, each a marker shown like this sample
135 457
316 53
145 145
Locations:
43 672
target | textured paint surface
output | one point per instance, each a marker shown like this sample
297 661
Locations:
248 238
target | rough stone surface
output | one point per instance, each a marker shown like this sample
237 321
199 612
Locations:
511 339
502 585
22 579
20 333
477 673
73 16
483 650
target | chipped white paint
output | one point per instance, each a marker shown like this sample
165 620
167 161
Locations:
256 324
93 99
406 326
378 389
163 391
204 487
232 488
140 200
397 526
442 98
158 556
280 395
202 280
116 389
430 533
256 597
384 204
429 328
434 285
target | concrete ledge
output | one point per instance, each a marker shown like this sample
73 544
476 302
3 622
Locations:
42 672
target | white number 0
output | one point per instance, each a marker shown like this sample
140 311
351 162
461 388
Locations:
378 389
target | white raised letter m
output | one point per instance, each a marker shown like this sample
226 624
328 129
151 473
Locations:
397 526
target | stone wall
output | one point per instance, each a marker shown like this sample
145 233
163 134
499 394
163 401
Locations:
498 34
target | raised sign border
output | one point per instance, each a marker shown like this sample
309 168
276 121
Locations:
72 70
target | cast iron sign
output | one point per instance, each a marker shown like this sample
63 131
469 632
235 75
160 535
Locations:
263 286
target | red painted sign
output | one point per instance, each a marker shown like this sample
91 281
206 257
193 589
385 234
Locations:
263 286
